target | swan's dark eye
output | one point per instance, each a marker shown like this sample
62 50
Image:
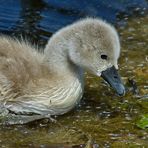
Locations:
104 57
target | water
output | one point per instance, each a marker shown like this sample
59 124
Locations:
108 120
39 19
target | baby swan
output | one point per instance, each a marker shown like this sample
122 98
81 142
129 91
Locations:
34 85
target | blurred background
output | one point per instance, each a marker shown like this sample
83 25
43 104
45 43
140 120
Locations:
38 19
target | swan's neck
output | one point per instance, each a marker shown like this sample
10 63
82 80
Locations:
56 57
69 77
58 62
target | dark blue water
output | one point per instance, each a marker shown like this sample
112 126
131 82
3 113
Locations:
38 19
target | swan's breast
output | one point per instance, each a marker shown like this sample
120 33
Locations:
54 101
67 98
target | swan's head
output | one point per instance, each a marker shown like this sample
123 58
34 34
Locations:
95 47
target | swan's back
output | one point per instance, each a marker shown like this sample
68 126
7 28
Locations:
19 63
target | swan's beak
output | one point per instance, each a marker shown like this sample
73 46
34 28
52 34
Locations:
111 76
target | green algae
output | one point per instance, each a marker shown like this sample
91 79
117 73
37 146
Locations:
143 122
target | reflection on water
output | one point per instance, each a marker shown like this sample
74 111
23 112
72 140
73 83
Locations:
101 116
